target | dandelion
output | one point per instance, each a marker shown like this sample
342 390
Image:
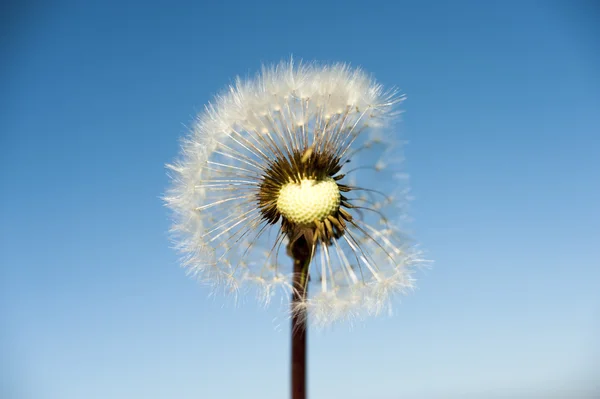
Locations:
296 162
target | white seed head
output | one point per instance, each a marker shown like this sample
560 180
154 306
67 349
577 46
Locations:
303 203
300 148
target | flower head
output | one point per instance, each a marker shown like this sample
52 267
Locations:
298 153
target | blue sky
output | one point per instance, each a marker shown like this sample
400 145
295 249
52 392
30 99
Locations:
503 122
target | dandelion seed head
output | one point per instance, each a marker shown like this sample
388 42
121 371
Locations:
299 152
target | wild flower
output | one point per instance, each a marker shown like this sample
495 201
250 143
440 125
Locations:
298 159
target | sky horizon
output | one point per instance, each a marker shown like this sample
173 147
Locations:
501 122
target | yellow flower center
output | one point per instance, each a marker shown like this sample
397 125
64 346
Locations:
303 202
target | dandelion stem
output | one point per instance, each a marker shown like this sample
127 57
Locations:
301 253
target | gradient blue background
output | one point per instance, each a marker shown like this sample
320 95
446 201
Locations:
503 119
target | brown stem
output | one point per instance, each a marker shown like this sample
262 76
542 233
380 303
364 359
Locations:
301 254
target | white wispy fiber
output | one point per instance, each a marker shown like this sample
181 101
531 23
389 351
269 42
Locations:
222 227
